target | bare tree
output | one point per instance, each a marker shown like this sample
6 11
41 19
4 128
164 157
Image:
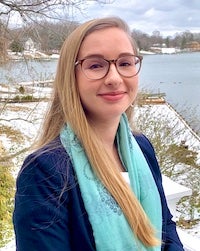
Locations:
19 18
29 9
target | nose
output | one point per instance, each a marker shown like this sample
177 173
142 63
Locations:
113 77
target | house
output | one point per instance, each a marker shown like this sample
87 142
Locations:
30 45
193 46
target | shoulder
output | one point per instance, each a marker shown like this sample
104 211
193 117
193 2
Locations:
50 164
144 144
149 154
49 154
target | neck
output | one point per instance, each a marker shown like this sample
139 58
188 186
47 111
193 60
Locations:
106 131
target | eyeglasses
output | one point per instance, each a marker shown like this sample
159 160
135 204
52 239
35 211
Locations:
95 67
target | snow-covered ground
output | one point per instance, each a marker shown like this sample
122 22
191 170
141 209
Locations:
26 119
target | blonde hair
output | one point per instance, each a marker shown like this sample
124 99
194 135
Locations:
66 108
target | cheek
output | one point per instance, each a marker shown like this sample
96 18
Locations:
133 85
86 90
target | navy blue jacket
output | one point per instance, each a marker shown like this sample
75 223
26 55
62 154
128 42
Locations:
50 215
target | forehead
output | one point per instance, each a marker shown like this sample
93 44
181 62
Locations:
108 41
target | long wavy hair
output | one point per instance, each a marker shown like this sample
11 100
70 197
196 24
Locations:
66 107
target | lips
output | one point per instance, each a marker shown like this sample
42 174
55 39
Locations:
112 96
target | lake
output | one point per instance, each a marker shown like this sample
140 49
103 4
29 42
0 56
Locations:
177 75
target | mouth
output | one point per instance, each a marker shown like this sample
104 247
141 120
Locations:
112 96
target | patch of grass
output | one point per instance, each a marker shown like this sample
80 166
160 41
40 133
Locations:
17 107
187 224
7 185
11 133
27 98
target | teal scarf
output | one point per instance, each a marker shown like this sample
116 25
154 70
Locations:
110 228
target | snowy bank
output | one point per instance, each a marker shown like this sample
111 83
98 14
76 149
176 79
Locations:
27 117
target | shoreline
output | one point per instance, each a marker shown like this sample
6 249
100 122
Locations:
184 121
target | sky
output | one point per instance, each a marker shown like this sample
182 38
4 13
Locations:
168 16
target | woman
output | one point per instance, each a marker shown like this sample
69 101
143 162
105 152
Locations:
71 192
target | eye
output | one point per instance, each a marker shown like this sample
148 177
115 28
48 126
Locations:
94 64
126 62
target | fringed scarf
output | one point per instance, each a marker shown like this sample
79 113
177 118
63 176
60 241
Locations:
111 230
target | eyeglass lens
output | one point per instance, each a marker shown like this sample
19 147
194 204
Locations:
96 67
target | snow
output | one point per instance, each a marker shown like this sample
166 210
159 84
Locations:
9 247
190 243
26 119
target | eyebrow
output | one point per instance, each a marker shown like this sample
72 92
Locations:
101 56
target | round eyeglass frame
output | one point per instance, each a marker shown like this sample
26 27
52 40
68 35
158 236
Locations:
110 62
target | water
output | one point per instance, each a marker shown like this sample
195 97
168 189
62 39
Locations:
177 75
21 71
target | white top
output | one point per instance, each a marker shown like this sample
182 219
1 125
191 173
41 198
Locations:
126 177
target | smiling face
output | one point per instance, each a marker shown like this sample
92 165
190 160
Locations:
106 98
